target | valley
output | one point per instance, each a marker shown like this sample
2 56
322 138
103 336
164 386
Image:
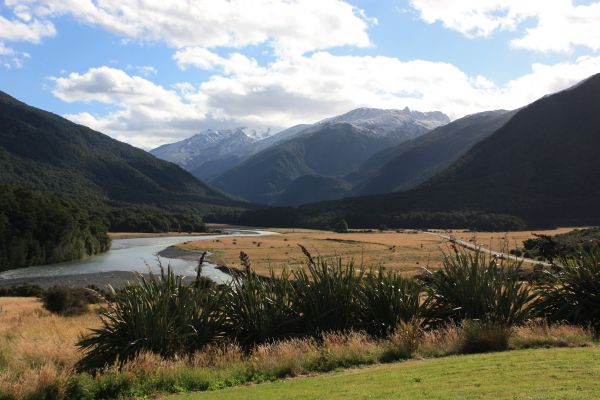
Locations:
299 199
406 251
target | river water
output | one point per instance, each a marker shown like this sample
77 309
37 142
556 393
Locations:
138 254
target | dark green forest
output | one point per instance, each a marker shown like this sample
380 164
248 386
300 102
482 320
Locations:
38 228
141 218
329 218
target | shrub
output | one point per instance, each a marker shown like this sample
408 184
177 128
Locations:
405 340
543 334
22 290
159 314
442 341
483 336
572 293
80 387
326 294
341 226
65 301
260 309
474 286
387 299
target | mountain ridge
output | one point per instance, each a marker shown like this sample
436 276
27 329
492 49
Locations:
43 151
331 148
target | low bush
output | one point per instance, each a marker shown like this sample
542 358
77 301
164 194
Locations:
474 286
542 334
483 337
159 314
326 294
341 226
66 301
387 299
572 293
22 290
260 309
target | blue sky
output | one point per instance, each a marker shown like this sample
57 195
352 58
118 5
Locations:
149 72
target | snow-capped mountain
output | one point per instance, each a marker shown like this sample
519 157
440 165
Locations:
385 122
322 154
212 152
209 145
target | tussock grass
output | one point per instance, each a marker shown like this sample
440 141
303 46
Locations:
163 336
40 358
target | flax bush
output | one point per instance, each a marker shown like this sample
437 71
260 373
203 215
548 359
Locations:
475 286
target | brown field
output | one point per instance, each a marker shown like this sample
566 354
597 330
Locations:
406 251
499 241
36 347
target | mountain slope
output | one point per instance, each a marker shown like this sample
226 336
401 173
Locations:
542 166
43 151
382 122
209 145
212 152
331 148
405 166
311 188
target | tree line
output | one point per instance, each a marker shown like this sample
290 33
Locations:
38 228
370 219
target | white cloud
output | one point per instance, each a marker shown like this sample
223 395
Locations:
11 58
145 113
25 29
145 70
298 90
558 25
205 59
6 51
110 85
289 25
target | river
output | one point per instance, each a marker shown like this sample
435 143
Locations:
137 254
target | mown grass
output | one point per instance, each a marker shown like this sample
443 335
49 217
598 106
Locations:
528 374
531 374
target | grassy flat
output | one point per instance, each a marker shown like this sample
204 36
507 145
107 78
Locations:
527 374
402 251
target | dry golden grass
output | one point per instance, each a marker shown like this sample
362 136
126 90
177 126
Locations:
36 347
498 241
37 351
405 251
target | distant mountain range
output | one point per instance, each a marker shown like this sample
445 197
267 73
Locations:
294 160
537 164
541 165
43 151
408 164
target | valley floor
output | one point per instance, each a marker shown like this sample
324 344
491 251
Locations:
406 250
523 374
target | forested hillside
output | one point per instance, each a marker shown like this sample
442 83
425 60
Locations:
409 164
540 168
42 151
37 228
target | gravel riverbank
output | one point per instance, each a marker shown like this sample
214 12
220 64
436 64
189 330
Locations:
116 279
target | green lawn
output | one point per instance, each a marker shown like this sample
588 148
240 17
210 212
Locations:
526 374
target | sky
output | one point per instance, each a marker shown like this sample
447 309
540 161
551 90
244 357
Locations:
149 72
